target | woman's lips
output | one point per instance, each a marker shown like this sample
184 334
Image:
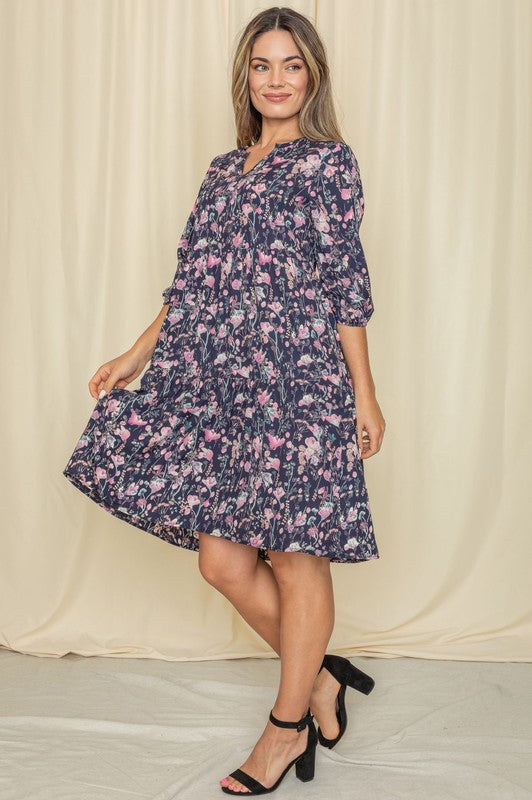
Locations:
276 98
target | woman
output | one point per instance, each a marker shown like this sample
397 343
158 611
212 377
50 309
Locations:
244 441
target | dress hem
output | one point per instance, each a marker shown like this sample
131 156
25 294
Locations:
192 542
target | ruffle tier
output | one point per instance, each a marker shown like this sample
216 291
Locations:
271 463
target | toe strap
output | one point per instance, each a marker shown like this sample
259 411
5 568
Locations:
247 781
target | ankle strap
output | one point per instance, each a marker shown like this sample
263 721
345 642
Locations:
303 722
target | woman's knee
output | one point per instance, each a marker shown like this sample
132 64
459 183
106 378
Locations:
291 567
222 562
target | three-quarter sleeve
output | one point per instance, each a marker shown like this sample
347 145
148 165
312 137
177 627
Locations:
181 248
183 244
337 210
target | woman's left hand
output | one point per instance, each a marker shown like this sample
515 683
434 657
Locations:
370 425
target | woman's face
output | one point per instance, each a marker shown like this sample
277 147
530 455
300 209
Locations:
277 67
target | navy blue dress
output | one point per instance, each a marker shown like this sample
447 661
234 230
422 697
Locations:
244 426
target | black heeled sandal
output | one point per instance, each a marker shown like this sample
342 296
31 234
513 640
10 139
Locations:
304 762
347 675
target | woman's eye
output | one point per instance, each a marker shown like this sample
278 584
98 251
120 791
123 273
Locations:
296 67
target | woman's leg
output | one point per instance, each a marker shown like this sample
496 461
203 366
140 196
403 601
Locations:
251 586
306 620
306 624
246 580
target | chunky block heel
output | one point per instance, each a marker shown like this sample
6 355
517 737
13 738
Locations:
304 762
305 765
347 675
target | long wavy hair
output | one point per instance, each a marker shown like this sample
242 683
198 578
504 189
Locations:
317 116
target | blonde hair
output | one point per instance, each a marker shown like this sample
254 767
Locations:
317 116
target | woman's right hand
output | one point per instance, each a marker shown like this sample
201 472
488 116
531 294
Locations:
118 372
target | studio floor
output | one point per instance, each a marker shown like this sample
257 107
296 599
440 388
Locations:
102 728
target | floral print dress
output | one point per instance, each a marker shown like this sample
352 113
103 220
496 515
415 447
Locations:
244 426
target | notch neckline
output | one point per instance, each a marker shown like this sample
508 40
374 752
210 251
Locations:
243 150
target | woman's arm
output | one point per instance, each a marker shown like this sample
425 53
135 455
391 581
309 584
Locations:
337 212
354 343
120 371
370 422
145 344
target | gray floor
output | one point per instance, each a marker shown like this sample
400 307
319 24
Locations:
105 728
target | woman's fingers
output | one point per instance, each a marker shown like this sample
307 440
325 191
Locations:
116 374
370 440
97 380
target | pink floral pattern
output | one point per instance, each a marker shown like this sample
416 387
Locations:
244 425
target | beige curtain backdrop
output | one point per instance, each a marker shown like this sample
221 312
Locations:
111 113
